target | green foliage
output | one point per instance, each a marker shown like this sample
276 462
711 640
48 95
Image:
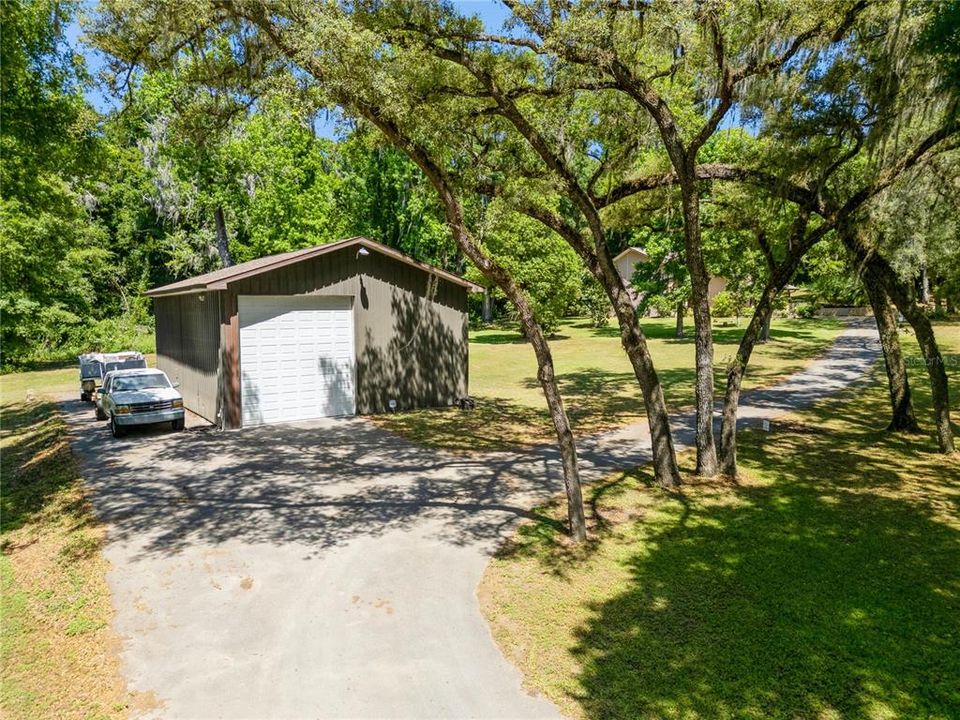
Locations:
917 227
725 305
383 195
806 310
284 188
941 38
52 255
594 302
664 306
542 264
830 277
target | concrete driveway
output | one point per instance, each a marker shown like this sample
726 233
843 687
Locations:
329 569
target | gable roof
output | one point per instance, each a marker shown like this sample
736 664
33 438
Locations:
219 279
631 251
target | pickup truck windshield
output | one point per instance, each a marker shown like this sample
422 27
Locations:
139 382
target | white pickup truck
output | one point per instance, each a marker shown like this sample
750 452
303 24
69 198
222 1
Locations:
143 396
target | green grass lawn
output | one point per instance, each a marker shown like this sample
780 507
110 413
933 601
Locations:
596 380
825 583
57 653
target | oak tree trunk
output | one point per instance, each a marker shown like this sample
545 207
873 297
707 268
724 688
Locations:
681 309
903 417
902 295
939 388
736 371
546 373
703 332
664 457
780 275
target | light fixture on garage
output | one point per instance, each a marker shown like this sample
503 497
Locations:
362 252
201 297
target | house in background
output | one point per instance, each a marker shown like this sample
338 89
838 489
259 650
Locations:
627 261
349 327
626 264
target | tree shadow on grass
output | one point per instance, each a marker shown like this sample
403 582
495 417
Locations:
722 334
509 338
597 399
831 591
499 338
493 424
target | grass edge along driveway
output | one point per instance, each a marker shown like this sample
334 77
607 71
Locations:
59 656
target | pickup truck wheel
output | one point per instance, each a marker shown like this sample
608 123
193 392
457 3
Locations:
177 425
84 397
117 430
99 413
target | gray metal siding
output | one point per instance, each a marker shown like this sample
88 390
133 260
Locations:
188 348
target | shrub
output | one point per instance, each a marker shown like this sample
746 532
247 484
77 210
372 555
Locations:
806 310
724 305
125 332
665 306
594 303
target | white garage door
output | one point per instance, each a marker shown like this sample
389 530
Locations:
296 358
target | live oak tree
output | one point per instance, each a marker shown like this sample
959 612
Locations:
840 127
541 176
684 64
860 126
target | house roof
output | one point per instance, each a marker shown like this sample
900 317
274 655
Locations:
219 279
634 251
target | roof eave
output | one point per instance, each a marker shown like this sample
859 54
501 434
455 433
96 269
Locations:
190 290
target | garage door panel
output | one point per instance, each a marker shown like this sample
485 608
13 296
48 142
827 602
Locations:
296 358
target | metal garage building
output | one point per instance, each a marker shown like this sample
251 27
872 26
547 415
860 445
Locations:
339 329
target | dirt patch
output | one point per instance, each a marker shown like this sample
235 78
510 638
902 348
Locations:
142 702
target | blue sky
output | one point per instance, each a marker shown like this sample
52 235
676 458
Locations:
493 13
